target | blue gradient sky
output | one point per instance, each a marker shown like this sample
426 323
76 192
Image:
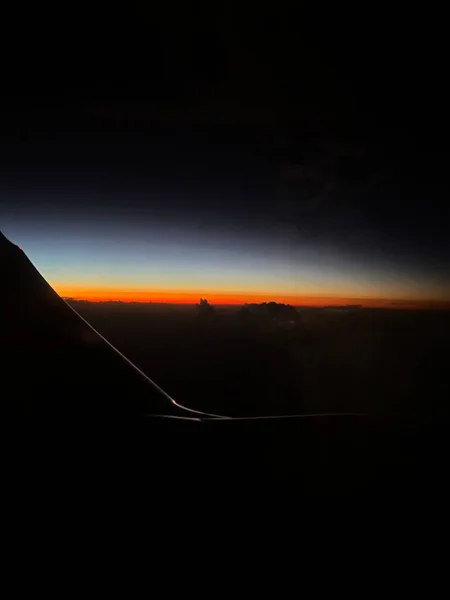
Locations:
79 253
233 151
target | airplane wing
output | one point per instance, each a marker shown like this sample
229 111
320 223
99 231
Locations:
55 364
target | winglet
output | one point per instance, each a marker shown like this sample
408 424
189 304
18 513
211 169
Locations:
4 242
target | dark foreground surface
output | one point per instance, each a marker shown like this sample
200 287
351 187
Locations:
230 465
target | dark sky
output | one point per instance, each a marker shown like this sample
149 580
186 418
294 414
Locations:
267 129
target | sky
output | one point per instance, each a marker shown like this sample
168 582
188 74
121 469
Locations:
236 157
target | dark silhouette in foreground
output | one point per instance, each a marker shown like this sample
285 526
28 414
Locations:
55 366
53 362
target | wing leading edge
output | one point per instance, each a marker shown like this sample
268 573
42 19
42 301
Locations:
56 364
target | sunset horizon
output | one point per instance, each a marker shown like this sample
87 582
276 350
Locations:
225 256
239 299
116 266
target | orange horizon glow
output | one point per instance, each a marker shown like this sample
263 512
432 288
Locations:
239 298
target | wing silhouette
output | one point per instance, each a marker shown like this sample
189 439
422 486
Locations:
54 363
